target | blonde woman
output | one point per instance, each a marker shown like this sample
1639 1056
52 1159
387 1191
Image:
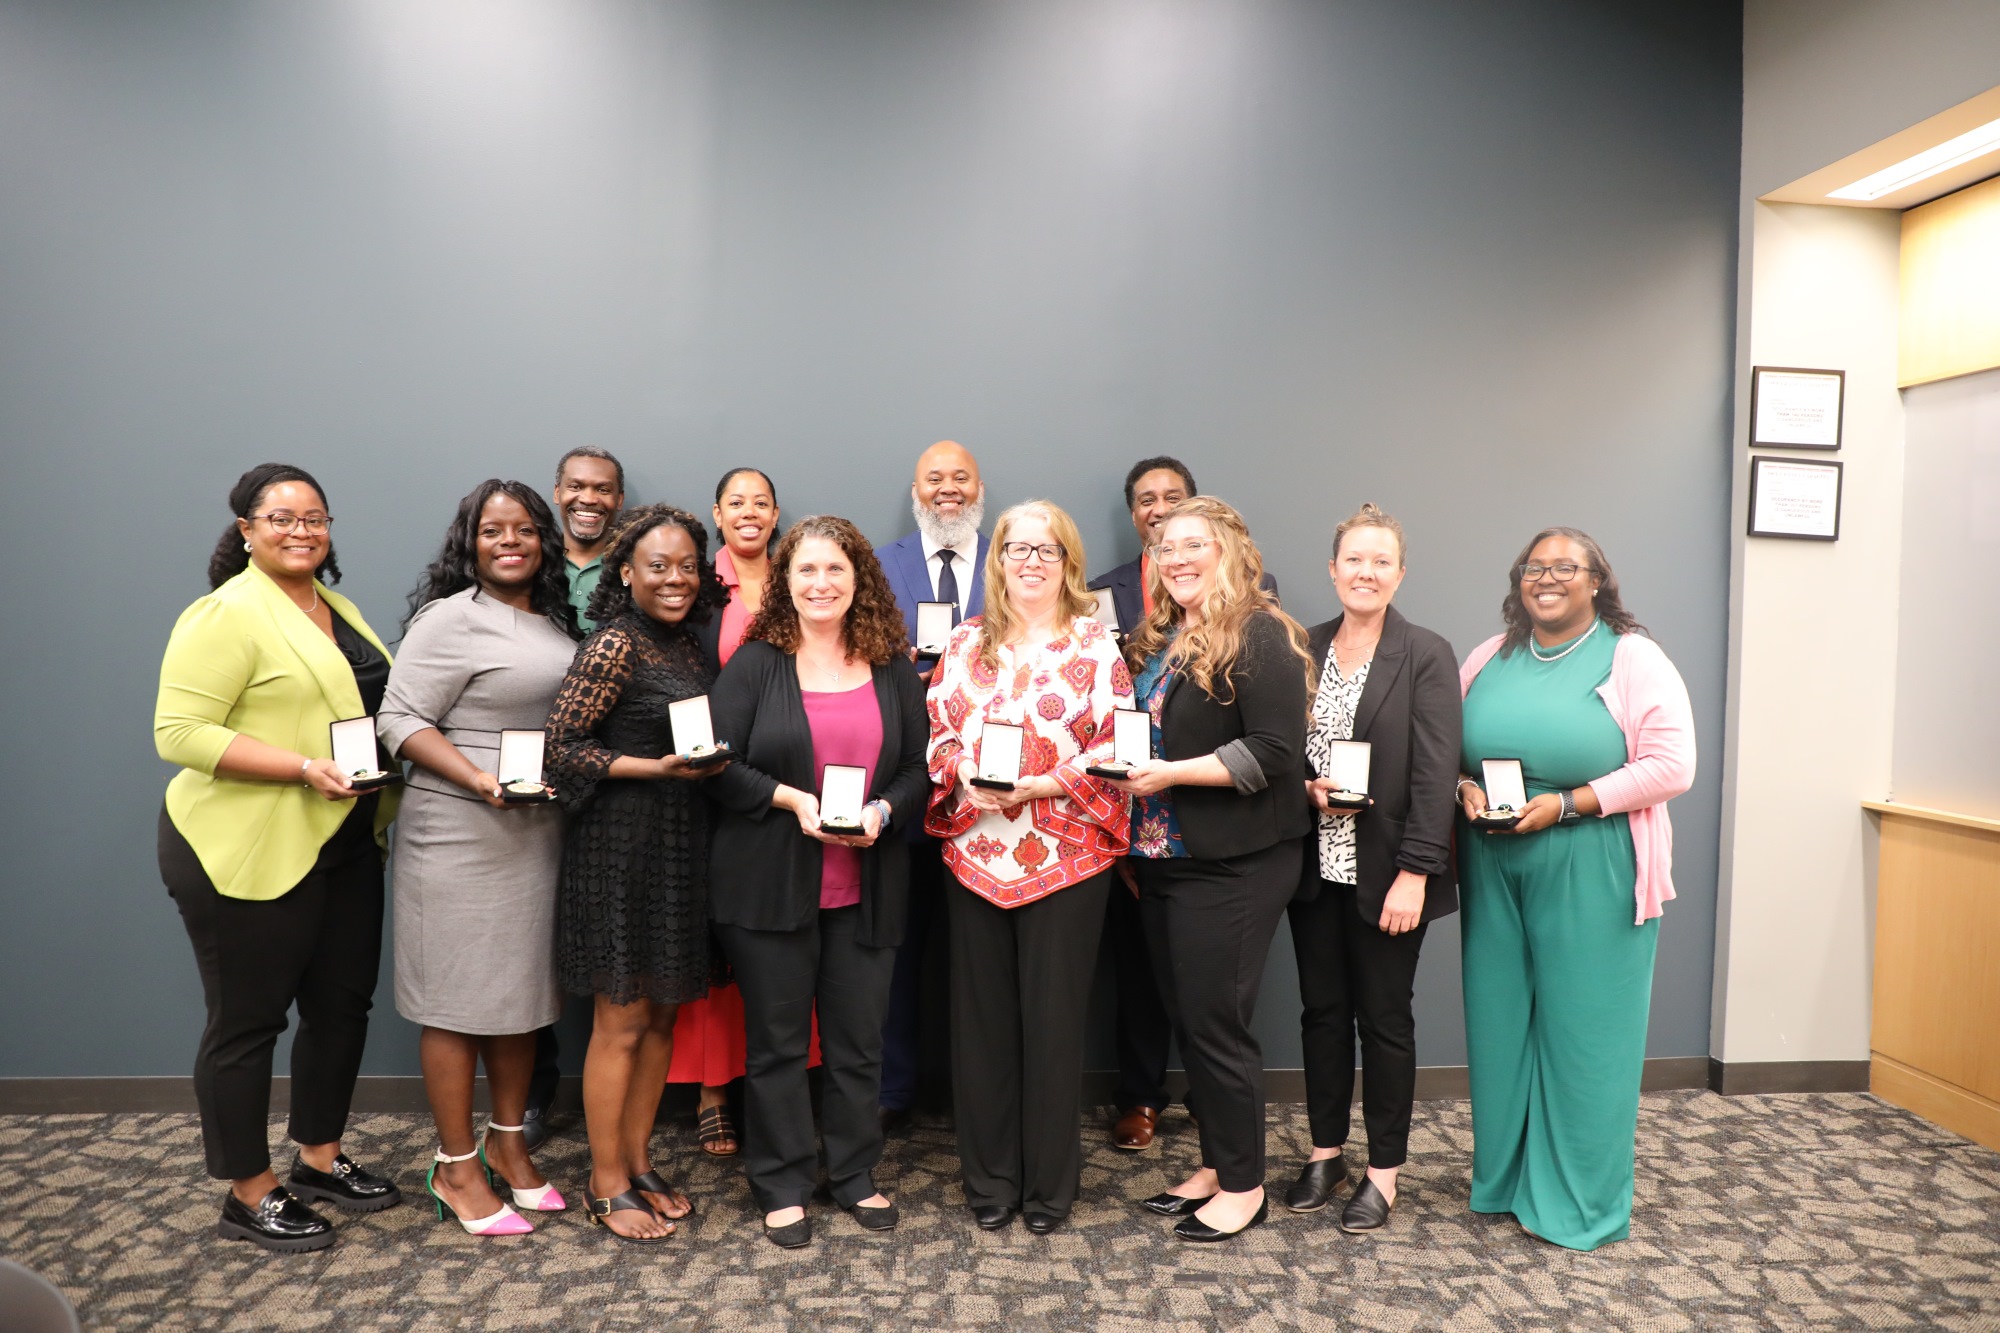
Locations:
1033 865
1217 833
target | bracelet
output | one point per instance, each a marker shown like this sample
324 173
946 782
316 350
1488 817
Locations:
1461 785
883 806
305 767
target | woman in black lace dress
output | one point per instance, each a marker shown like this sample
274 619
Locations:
632 918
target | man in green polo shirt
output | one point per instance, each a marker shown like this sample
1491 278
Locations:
590 490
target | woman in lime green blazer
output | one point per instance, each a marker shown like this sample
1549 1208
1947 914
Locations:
272 856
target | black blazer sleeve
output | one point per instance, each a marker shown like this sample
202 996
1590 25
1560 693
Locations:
908 788
733 706
1435 722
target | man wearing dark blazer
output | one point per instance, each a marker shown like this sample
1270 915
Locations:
1153 487
944 560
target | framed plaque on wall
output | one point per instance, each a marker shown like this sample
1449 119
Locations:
1792 408
1791 497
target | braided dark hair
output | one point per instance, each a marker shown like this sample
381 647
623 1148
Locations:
231 557
1610 606
457 565
613 598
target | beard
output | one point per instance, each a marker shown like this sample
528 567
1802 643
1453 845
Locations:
949 531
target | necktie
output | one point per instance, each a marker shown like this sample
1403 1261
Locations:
948 582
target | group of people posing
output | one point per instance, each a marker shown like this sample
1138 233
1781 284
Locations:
725 929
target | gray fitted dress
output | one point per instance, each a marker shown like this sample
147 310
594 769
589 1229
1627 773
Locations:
474 888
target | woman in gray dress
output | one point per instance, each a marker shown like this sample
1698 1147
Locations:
490 636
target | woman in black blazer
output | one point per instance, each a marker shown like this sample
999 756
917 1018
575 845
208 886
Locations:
1217 833
810 918
1374 878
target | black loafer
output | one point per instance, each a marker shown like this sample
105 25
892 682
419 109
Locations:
1366 1211
278 1222
346 1186
791 1235
1173 1205
883 1218
1317 1184
1193 1228
992 1216
534 1127
1039 1222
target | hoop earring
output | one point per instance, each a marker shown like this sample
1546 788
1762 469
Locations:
628 582
246 544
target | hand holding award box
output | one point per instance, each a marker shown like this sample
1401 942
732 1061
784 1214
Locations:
694 733
1506 795
356 756
520 774
1347 769
999 767
842 796
1131 743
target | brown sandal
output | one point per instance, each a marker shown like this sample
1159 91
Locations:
714 1127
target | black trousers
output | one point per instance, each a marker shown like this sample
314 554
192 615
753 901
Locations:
1210 925
319 946
915 1034
1354 978
1020 979
783 974
1142 1028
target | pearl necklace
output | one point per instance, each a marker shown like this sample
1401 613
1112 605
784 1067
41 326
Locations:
1567 651
308 610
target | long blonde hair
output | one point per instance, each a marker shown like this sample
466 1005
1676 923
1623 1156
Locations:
998 622
1210 649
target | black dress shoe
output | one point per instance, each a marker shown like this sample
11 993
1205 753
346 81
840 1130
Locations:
534 1127
1193 1228
791 1235
895 1119
1039 1222
883 1218
346 1186
278 1222
1367 1210
1174 1205
992 1216
1316 1185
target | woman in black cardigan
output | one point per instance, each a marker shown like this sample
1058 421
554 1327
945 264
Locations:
810 918
1217 833
1375 877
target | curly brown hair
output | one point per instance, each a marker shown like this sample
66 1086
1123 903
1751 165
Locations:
613 598
1610 606
874 627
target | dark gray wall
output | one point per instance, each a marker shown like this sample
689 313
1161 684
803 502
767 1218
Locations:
1474 262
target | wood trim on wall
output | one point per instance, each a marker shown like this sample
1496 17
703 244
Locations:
1949 322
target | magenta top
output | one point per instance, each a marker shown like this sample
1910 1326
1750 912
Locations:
846 729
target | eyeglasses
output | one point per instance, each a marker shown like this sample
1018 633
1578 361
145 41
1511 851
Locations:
1562 573
1018 552
1191 549
285 523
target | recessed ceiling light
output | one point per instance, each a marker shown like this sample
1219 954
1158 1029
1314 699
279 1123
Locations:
1949 154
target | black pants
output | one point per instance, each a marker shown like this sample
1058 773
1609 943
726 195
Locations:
1210 925
920 993
782 973
1020 979
1353 977
1142 1027
319 945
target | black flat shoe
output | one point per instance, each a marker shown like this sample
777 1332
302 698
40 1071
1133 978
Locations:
1317 1184
1173 1205
279 1222
1193 1228
790 1236
534 1127
883 1218
1040 1223
1367 1210
346 1186
992 1216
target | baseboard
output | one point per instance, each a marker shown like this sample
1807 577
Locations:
1741 1077
1960 1110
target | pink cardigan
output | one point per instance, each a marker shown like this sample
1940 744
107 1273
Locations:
1648 700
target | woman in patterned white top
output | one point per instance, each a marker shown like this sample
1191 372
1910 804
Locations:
1033 864
1377 876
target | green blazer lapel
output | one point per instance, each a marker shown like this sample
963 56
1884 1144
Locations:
321 657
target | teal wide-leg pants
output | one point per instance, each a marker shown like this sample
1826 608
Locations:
1558 983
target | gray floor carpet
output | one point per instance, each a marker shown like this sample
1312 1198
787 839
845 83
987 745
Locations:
1796 1212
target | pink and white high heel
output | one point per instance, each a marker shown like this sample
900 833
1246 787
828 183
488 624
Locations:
541 1199
506 1222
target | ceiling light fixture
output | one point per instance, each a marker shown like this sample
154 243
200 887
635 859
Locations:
1949 154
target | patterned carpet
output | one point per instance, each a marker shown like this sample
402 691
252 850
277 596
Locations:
1796 1212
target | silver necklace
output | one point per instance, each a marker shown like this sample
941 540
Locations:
1567 651
308 610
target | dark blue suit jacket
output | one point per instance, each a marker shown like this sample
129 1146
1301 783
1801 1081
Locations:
1130 599
903 564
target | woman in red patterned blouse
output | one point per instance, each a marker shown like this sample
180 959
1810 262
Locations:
1033 864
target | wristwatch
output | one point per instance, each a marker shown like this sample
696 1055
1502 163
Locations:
1569 814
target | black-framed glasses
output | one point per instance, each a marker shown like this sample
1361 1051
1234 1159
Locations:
1019 552
285 523
1561 573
